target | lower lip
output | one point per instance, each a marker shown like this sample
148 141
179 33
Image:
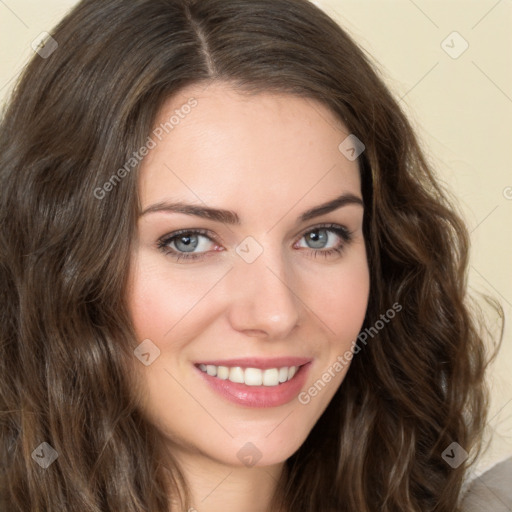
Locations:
259 396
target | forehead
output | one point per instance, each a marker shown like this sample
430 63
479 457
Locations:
218 145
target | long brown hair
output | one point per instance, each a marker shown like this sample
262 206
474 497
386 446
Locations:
66 341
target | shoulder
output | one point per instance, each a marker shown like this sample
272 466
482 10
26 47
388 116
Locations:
490 491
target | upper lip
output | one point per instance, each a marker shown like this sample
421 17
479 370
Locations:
257 362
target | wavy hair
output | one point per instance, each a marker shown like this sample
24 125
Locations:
66 339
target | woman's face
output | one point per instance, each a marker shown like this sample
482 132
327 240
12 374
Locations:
249 280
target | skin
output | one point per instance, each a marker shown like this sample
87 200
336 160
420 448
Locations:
269 158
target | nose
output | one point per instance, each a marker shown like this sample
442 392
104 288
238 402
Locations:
263 302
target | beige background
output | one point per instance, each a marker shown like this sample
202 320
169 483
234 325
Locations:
462 108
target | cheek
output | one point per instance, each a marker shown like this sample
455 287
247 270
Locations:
148 305
159 300
342 301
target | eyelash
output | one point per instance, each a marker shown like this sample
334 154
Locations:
163 243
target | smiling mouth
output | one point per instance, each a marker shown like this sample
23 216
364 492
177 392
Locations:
269 377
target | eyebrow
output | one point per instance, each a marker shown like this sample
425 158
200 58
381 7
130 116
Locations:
232 218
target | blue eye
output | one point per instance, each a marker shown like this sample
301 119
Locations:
186 243
319 238
193 244
323 240
183 244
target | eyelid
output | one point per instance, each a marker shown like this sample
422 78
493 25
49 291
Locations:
325 225
196 231
217 239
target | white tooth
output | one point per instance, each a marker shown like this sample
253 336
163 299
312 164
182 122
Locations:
202 367
283 374
223 372
211 370
253 377
271 377
292 371
236 374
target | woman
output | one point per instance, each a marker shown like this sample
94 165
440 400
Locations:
229 278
